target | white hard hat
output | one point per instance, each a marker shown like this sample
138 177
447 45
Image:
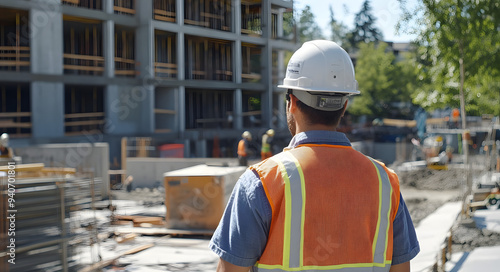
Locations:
247 135
270 132
4 139
318 69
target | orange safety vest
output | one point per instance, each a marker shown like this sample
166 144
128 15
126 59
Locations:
242 149
332 210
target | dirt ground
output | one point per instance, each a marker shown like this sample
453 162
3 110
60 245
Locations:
425 190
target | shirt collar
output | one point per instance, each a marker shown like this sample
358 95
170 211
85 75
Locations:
319 137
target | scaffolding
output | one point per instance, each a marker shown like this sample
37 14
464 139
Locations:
214 14
90 4
164 10
125 52
251 64
14 43
82 46
126 7
209 59
84 110
165 55
15 118
251 17
208 109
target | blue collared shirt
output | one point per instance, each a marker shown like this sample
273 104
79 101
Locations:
242 233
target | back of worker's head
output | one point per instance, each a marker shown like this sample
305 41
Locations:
320 75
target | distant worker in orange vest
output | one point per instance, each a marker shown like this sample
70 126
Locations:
455 115
243 148
267 138
319 205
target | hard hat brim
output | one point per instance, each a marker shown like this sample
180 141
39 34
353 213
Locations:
348 92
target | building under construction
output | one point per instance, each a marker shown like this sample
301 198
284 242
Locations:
192 72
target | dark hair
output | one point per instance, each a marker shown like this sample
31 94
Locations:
314 116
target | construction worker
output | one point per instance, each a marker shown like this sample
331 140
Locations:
267 138
5 150
243 148
319 205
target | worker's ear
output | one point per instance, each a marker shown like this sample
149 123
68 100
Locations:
344 108
292 104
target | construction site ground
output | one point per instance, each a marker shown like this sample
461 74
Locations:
433 197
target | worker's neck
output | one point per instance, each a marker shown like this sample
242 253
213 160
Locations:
309 127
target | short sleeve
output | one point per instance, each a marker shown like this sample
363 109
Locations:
241 235
405 243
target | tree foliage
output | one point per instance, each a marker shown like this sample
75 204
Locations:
385 84
308 29
452 32
338 30
364 27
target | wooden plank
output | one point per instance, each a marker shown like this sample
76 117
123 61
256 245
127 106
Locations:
14 63
192 22
14 55
29 167
84 123
251 76
166 71
164 12
162 18
84 68
98 266
83 57
59 170
123 60
124 10
126 72
15 114
12 124
76 2
163 64
84 115
14 48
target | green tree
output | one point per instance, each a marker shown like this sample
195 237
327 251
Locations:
338 30
364 27
459 54
384 83
308 29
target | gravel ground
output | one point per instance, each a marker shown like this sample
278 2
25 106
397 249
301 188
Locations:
424 190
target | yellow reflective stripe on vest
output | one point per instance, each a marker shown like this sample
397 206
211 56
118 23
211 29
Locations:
381 234
294 209
293 240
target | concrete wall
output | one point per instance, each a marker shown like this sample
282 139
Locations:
82 156
148 172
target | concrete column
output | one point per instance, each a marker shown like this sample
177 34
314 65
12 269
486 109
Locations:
46 38
201 148
266 61
280 23
238 110
109 48
237 61
144 39
108 6
237 16
129 110
181 113
47 109
179 8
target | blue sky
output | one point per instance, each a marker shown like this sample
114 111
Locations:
387 13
